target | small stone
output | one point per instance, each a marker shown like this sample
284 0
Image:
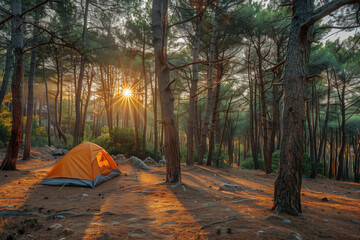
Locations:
355 221
293 236
29 236
261 233
55 226
286 221
274 217
324 220
68 231
60 216
324 199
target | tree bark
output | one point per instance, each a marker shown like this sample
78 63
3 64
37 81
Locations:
30 105
210 82
287 197
145 100
9 162
193 89
80 80
172 154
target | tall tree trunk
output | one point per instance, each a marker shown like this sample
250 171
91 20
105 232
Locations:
214 113
288 182
193 89
80 80
287 197
340 172
145 100
89 92
172 154
331 155
266 151
30 105
252 114
223 132
210 82
61 92
9 162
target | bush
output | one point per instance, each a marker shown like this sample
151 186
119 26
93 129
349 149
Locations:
118 140
248 163
5 126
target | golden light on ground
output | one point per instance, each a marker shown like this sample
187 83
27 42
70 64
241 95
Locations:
127 92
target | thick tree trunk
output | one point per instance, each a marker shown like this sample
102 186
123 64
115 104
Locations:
172 154
288 182
9 162
80 80
193 89
210 82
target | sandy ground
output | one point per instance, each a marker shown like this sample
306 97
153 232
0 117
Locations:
146 208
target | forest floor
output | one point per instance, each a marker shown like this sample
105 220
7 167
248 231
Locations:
143 207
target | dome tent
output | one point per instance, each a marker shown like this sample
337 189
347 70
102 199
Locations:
86 165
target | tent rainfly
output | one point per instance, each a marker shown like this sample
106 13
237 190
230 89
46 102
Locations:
86 165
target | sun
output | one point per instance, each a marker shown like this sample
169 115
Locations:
127 92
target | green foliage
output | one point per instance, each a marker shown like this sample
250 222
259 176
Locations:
5 126
306 164
118 140
248 163
38 134
221 158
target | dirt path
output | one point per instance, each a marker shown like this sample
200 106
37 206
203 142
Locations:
146 208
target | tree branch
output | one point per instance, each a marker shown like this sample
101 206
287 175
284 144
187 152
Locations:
200 62
189 19
325 10
34 7
55 36
23 13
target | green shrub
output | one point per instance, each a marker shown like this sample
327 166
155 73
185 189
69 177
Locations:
248 163
5 126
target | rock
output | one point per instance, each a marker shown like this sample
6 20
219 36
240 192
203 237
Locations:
324 220
64 151
293 236
68 231
57 152
55 226
286 221
306 188
138 163
324 199
29 236
162 161
150 161
355 221
62 239
120 157
274 217
261 233
230 187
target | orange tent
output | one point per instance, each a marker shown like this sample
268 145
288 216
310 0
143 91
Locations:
87 164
